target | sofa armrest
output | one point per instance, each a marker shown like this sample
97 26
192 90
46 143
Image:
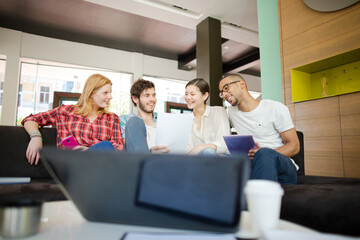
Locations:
299 158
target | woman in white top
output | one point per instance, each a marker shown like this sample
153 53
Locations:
210 123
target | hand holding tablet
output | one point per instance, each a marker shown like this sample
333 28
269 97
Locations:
239 143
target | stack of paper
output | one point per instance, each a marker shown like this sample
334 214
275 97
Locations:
173 130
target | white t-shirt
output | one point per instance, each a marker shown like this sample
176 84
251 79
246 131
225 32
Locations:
264 123
214 125
150 136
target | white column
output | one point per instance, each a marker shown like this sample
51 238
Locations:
138 65
137 69
10 43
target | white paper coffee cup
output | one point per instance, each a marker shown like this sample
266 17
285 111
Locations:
264 202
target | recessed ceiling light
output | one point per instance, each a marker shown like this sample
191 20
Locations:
171 8
226 47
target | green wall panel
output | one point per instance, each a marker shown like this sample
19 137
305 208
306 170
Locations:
271 84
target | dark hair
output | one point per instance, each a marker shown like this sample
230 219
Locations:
139 86
238 75
232 75
201 84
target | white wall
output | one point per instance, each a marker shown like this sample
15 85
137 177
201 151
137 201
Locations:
16 44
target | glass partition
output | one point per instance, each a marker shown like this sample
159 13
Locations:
39 80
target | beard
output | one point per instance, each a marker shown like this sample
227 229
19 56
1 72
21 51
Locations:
143 108
235 102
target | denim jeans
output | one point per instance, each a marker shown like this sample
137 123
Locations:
135 135
103 146
272 165
207 151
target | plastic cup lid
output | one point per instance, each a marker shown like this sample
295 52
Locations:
263 187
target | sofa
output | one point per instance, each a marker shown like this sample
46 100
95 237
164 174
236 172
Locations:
13 163
325 204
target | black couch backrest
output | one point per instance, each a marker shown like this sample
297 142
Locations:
13 145
14 142
299 158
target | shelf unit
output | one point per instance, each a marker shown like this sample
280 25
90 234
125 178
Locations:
336 75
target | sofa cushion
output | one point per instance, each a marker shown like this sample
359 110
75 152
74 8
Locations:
325 204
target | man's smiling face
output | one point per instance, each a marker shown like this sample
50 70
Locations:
147 100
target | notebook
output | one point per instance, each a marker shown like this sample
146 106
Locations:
239 143
173 191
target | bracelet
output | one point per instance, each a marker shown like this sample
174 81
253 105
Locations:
33 136
35 133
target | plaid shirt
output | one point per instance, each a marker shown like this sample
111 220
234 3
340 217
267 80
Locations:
104 128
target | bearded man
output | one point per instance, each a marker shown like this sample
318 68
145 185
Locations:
139 130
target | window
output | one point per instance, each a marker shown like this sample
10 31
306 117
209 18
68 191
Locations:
256 95
2 77
20 94
167 90
40 79
171 107
65 98
44 94
1 91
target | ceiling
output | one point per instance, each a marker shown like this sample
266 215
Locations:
165 28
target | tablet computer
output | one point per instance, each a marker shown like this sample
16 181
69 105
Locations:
239 143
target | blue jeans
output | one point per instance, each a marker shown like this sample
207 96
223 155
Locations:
207 152
272 165
103 146
135 135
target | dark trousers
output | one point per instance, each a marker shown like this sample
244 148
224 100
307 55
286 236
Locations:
135 135
272 165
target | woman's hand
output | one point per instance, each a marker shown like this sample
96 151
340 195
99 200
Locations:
80 148
160 149
196 150
33 150
253 151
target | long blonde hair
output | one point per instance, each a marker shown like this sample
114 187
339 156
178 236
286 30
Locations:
85 103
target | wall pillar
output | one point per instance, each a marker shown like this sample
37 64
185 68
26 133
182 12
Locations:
208 56
269 44
10 46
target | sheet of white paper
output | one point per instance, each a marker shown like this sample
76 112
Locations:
176 236
173 130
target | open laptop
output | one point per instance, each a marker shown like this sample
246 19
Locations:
173 191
